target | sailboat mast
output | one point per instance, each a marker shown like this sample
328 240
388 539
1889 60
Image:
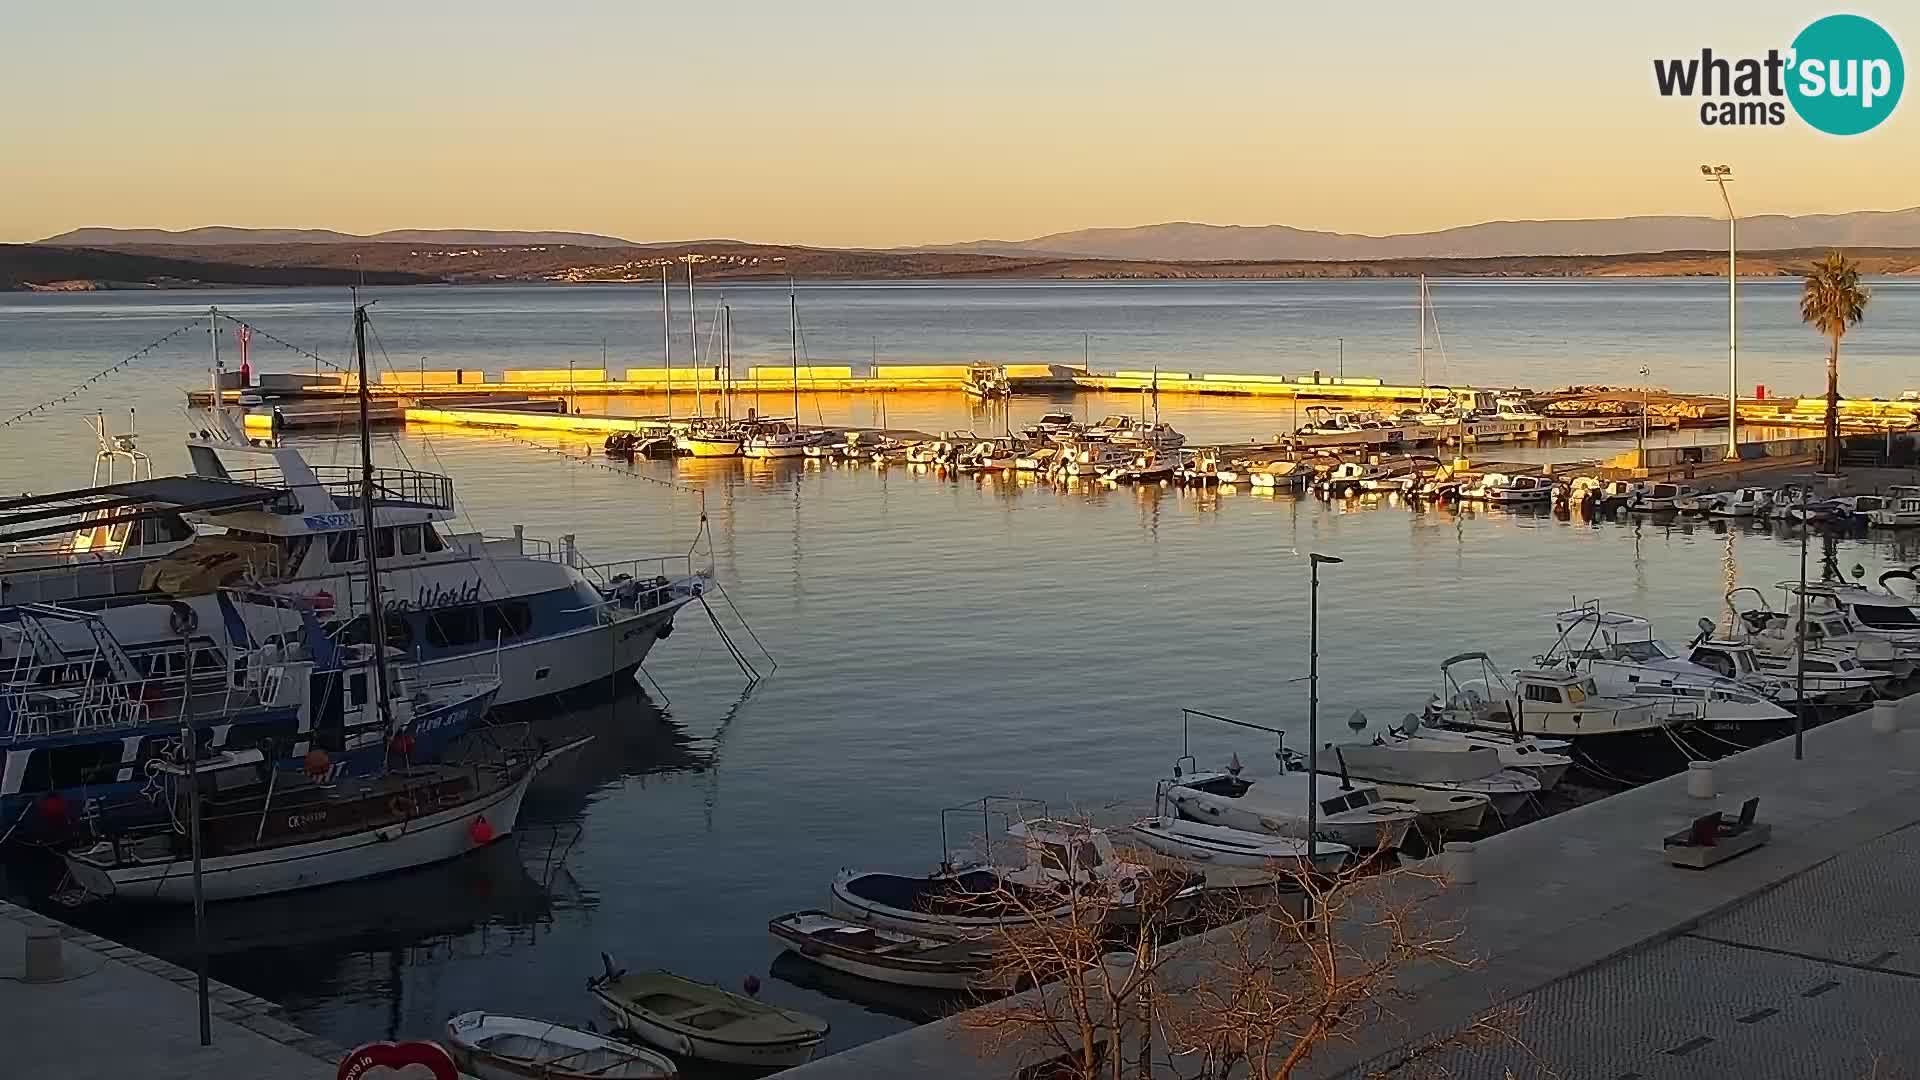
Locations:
693 339
1423 339
726 352
376 611
793 346
666 336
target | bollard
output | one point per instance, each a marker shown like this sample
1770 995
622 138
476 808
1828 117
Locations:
43 954
1456 861
1886 717
1700 780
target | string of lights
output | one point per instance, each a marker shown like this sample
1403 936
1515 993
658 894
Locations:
84 385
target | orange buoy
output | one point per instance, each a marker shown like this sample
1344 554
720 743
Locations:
317 762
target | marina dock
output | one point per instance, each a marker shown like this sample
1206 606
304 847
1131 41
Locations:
1794 959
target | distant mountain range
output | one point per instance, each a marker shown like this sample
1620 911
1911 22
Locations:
1186 241
224 235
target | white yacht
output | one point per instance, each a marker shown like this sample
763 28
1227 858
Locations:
533 613
1524 490
1619 652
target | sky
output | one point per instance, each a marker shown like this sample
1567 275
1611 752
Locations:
880 124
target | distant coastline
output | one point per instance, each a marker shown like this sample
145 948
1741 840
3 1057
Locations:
72 269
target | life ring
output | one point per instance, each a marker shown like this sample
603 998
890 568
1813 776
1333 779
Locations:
400 806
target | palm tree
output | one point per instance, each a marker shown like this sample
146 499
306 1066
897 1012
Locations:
1831 301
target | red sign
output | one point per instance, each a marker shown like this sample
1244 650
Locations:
381 1060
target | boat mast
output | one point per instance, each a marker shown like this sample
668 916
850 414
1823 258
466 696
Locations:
376 611
793 346
693 339
1423 340
726 351
666 336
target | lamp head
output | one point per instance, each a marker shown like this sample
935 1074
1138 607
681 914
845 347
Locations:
1706 170
1319 558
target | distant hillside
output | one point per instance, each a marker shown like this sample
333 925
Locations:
222 235
29 266
46 266
1190 242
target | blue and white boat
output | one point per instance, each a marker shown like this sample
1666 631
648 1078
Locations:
84 721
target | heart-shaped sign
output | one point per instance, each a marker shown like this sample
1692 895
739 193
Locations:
391 1061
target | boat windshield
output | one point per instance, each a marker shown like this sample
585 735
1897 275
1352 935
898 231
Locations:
1886 616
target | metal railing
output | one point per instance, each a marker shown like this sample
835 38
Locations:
408 487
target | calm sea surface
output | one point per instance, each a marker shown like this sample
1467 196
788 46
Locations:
937 639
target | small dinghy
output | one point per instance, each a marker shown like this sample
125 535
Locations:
887 956
1218 845
700 1020
494 1047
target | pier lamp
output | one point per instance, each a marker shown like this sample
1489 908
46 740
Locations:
1314 560
1720 175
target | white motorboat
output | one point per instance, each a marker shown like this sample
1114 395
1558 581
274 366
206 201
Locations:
702 1021
1873 614
1356 814
1612 738
1350 476
1743 502
1619 652
1217 845
1658 498
1832 677
954 901
288 835
1822 635
1524 490
489 1046
1899 510
1527 755
1145 467
1052 425
1857 507
1452 788
765 439
1156 435
888 956
1084 458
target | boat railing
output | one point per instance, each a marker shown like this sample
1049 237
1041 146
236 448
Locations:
397 487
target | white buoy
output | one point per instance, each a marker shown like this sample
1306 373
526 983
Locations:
43 960
1700 780
1456 861
1886 717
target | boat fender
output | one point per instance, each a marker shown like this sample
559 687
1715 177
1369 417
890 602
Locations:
481 831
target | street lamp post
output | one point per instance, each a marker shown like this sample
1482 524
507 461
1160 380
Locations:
1313 699
1720 175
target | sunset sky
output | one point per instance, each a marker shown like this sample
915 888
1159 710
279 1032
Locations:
888 123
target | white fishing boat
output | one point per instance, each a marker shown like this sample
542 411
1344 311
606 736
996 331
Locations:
1899 510
1745 502
1357 815
1217 845
489 1046
1452 790
888 956
1523 490
1144 467
1612 738
1525 755
702 1021
284 832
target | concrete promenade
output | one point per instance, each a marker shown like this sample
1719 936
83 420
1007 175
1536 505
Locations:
1632 968
123 1015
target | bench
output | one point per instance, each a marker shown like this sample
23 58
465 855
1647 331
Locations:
1712 839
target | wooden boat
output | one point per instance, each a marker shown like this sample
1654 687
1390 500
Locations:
278 834
700 1020
494 1047
888 956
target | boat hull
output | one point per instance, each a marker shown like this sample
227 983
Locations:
850 901
1362 831
540 667
422 841
1164 836
675 1041
594 1057
698 446
877 969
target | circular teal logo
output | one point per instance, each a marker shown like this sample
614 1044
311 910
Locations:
1847 74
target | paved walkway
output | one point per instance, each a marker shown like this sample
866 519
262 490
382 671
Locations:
1565 910
123 1015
